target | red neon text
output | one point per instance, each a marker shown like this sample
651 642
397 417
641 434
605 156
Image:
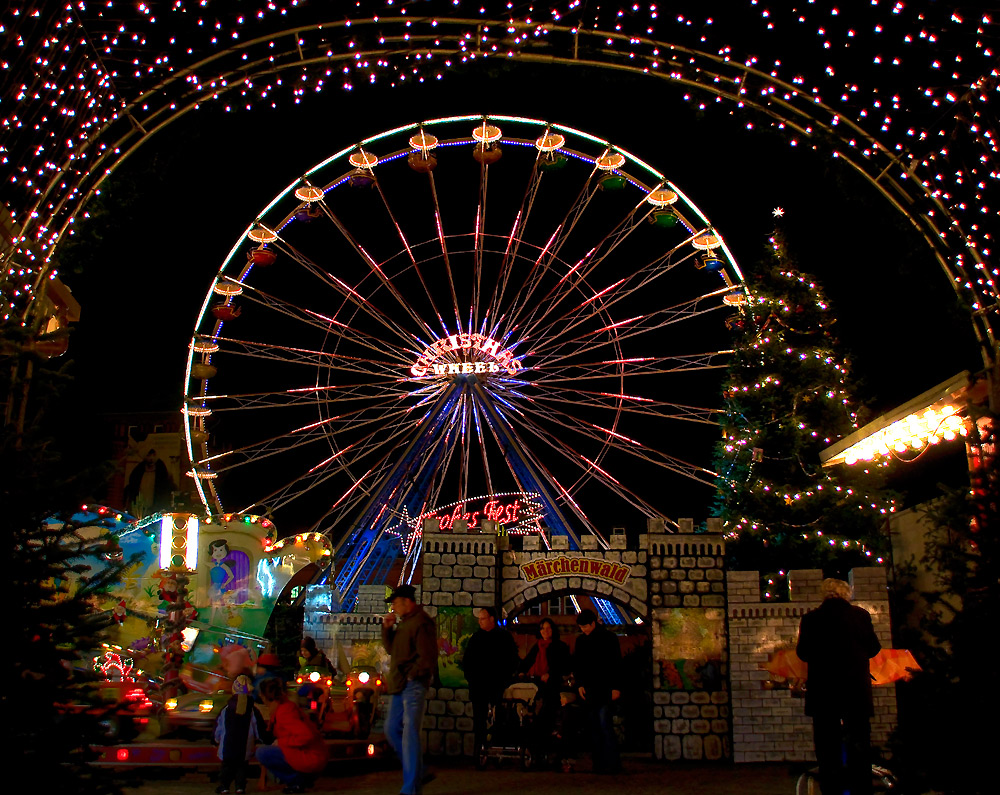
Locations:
493 510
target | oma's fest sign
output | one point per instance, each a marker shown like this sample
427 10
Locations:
585 567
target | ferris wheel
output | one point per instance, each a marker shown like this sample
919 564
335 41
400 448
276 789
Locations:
468 307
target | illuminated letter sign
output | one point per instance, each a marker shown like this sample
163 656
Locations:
505 514
542 569
515 513
466 354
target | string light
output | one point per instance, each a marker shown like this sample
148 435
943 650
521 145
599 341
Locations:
92 80
911 433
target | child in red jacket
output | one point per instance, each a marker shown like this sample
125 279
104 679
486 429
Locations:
299 752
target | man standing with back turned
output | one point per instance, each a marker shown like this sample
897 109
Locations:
489 664
837 640
597 669
410 637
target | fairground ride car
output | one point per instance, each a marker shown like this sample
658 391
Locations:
124 709
342 706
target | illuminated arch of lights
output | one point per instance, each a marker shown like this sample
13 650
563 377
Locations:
903 92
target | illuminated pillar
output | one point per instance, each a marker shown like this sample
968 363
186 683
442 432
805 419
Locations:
178 560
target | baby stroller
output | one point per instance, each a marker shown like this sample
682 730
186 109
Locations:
510 726
883 780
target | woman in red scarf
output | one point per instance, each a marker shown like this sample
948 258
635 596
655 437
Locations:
546 664
299 752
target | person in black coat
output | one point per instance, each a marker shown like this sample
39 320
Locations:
837 640
489 663
597 669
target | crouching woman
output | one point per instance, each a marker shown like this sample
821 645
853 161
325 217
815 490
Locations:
299 753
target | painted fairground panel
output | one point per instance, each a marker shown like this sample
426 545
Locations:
353 654
455 626
235 573
689 649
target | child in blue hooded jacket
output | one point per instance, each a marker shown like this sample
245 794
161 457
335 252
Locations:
237 730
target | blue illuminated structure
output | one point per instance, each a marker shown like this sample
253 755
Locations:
367 553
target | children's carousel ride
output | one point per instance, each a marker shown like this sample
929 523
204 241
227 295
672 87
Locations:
189 614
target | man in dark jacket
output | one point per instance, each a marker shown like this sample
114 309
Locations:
837 640
490 662
410 637
597 669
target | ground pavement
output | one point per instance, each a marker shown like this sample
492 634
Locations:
643 776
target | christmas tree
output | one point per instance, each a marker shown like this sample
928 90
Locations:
787 397
53 625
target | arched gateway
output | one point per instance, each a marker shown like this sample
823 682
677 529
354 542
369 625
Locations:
710 633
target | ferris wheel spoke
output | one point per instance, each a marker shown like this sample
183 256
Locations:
601 301
332 466
386 371
351 498
300 485
608 437
374 268
640 279
542 471
350 294
514 242
621 291
448 444
548 374
569 282
464 444
553 246
293 398
628 404
617 332
322 471
555 243
287 398
575 212
416 266
299 437
439 227
324 323
479 420
480 237
357 492
588 468
659 459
